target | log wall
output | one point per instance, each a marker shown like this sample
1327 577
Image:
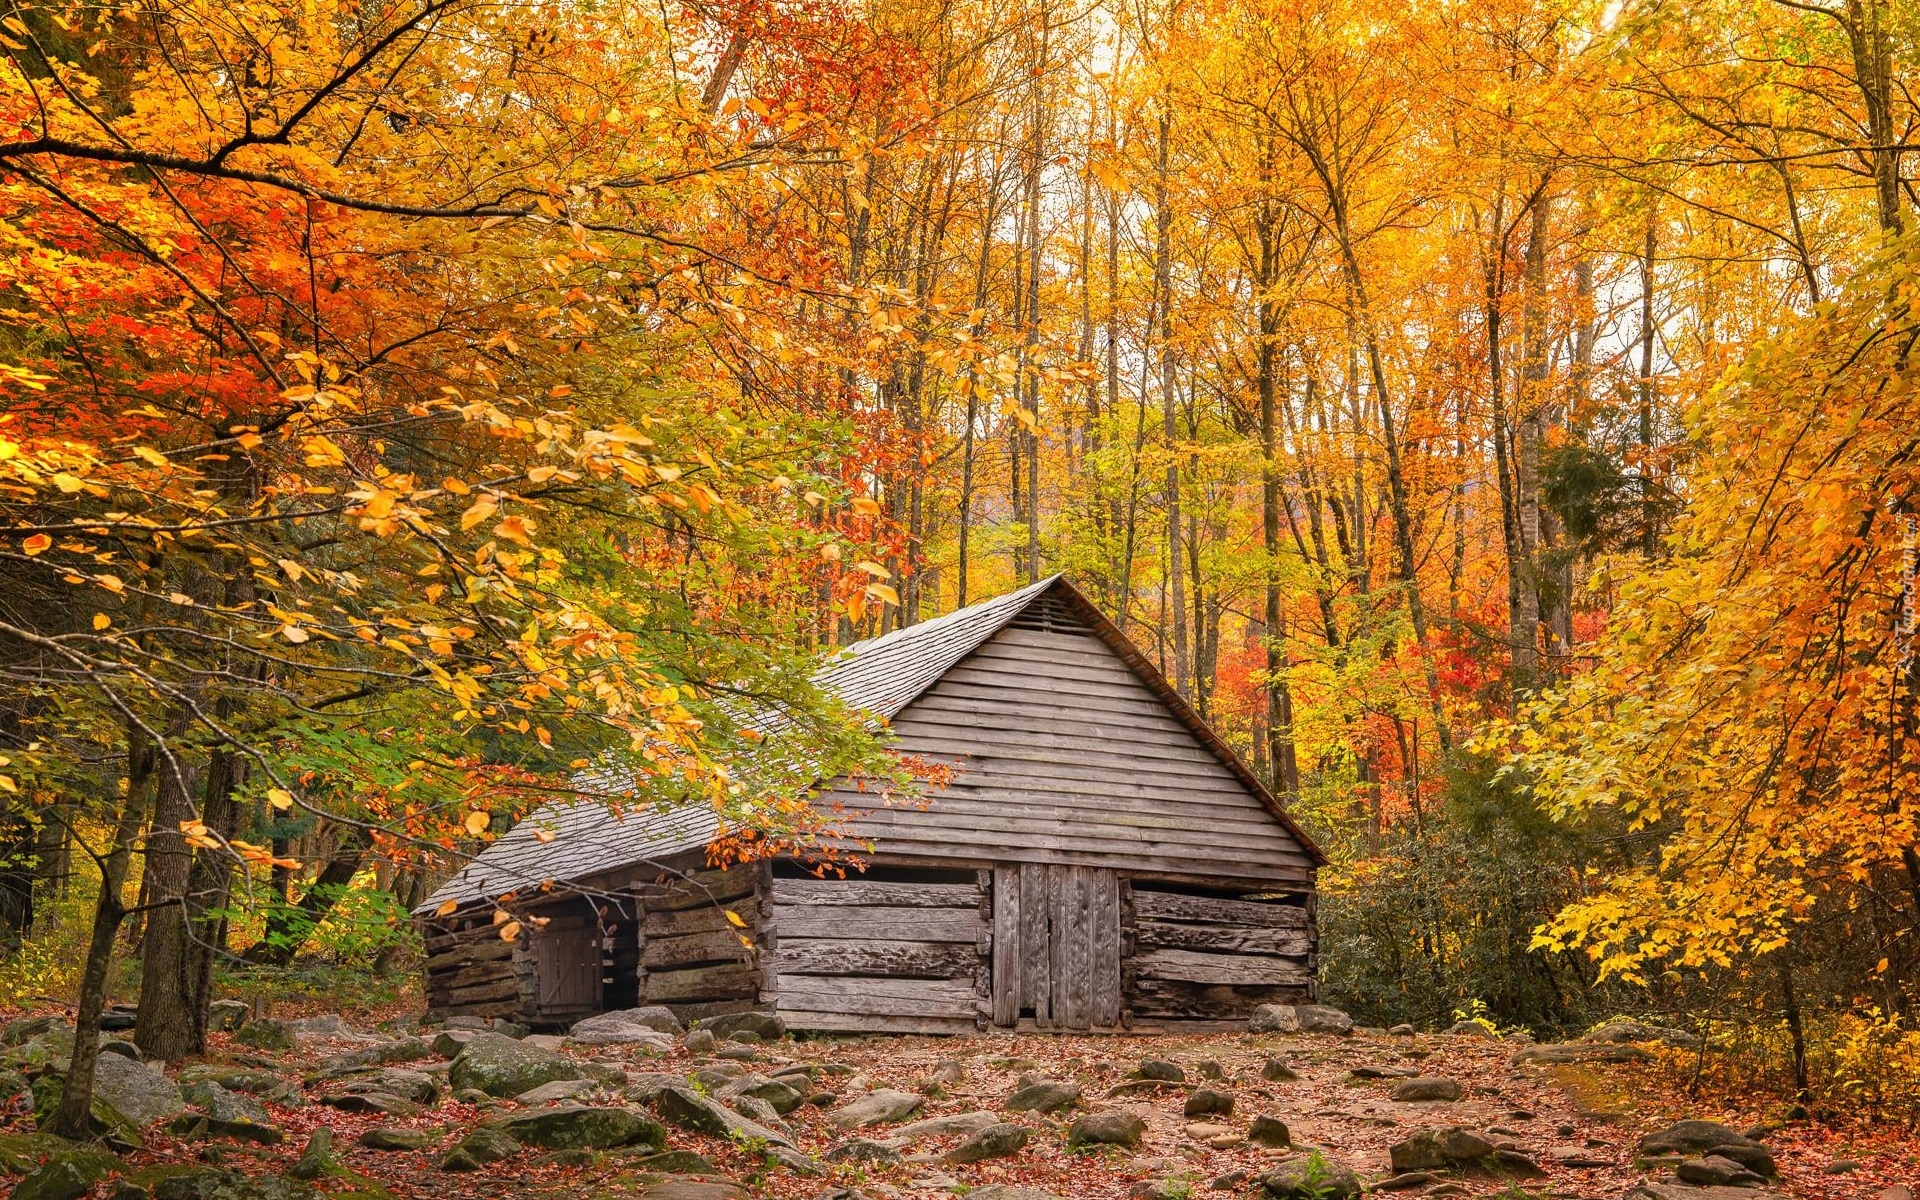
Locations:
863 955
691 955
1193 957
469 968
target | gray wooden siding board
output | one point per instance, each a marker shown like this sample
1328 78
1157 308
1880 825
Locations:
1006 946
974 835
1036 960
1106 950
1043 781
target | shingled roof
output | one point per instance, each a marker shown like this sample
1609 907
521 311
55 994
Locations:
881 676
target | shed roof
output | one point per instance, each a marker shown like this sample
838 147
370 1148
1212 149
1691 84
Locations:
881 676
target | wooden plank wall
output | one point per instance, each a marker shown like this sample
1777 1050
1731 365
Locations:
469 969
862 955
691 956
1202 958
1063 755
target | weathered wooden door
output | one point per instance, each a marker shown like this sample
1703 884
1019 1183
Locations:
1056 946
567 962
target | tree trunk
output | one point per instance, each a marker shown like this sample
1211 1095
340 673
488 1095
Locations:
1169 387
73 1117
166 1027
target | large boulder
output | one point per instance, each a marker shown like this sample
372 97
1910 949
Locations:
1323 1018
653 1025
763 1025
214 1183
24 1030
690 1110
782 1097
1311 1177
1693 1138
1209 1102
1715 1171
67 1174
1426 1088
946 1126
502 1066
1044 1096
380 1054
127 1097
226 1016
581 1127
1274 1018
999 1140
265 1033
1109 1127
1621 1029
396 1137
224 1114
1432 1149
882 1106
481 1148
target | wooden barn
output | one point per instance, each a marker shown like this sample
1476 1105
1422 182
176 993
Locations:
1099 860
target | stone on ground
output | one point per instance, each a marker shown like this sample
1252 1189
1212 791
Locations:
1757 1159
1044 1096
559 1089
1311 1177
265 1033
226 1016
1432 1149
1472 1029
1581 1052
328 1027
1427 1088
1110 1127
1209 1102
768 1027
690 1110
481 1148
1693 1138
945 1126
880 1107
627 1025
380 1054
395 1137
1622 1030
862 1150
502 1066
1002 1191
1323 1018
676 1162
316 1159
225 1114
1270 1132
673 1187
1715 1171
700 1041
1668 1190
582 1127
999 1140
1274 1018
779 1096
1159 1068
1276 1070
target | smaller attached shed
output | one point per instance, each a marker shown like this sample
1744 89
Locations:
1099 860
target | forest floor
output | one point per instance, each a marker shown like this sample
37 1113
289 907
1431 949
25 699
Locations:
1580 1124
